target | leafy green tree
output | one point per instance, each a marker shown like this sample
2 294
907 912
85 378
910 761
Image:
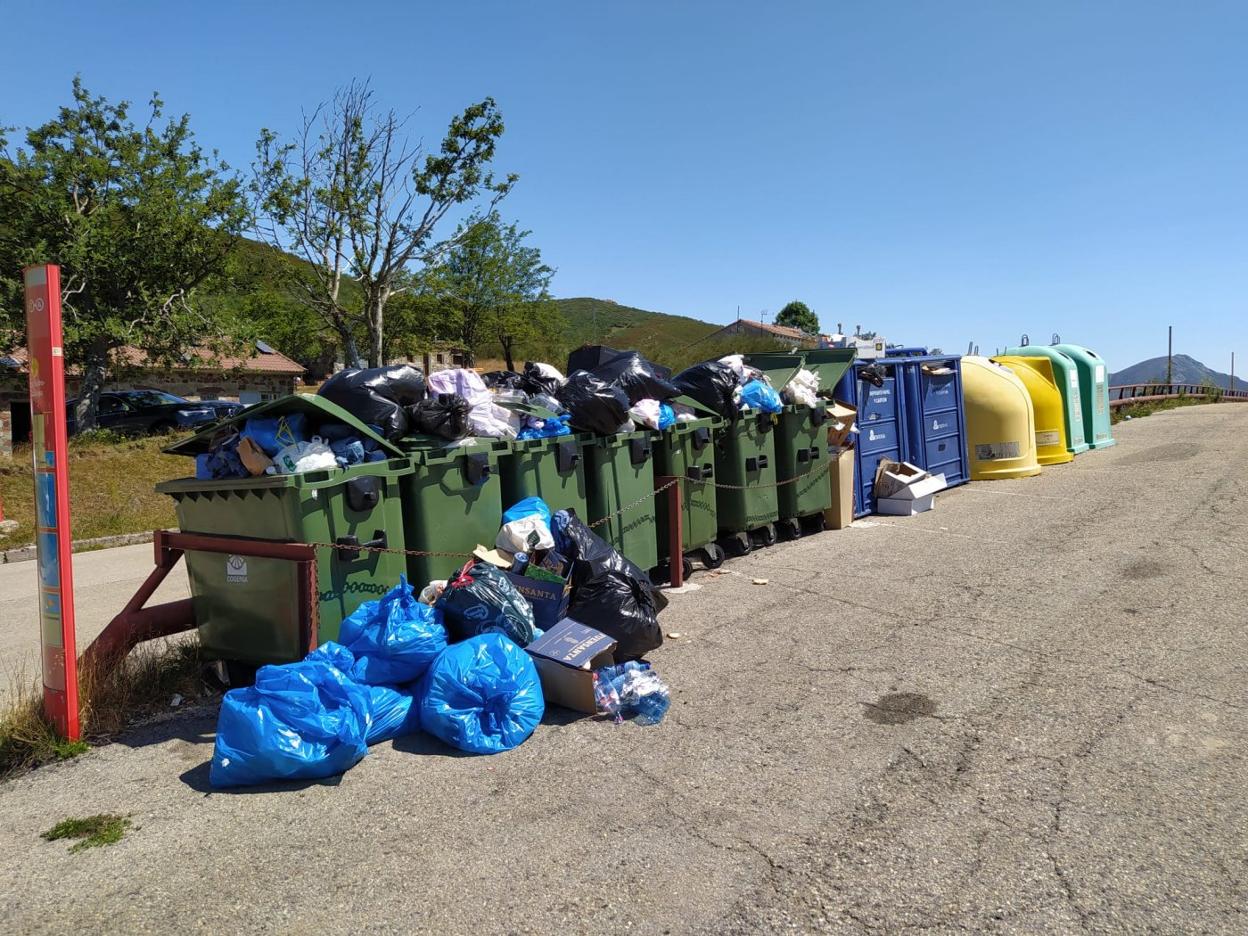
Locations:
496 287
354 200
798 315
139 218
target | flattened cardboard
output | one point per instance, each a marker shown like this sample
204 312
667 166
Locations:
253 457
841 418
566 657
499 558
841 477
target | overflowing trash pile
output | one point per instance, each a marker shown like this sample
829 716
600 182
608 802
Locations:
466 660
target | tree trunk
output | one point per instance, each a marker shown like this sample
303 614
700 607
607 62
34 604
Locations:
374 315
95 369
507 342
350 350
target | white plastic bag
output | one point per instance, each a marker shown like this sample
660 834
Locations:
491 420
303 457
744 372
432 592
646 413
467 383
548 371
518 535
803 388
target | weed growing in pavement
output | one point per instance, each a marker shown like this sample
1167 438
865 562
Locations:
1138 410
91 832
142 686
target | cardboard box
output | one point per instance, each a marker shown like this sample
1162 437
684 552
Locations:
841 419
253 457
549 599
841 477
903 489
566 657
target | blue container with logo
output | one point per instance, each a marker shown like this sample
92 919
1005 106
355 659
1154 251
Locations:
935 419
876 390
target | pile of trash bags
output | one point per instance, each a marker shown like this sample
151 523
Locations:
449 662
730 388
283 445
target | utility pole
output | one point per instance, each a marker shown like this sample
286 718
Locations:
1170 358
1232 385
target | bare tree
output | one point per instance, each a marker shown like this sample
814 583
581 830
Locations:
356 202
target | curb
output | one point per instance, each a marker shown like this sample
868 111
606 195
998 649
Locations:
27 553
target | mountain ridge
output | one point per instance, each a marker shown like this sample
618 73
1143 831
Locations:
1186 370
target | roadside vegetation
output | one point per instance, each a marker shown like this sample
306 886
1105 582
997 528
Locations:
155 678
90 832
1212 394
112 483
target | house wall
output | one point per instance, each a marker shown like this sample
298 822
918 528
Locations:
744 328
245 387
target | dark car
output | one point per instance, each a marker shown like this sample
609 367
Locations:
140 411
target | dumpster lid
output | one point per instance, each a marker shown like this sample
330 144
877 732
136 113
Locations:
316 408
779 367
830 364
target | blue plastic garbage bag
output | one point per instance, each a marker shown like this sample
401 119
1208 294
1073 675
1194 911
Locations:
761 397
393 639
548 429
394 713
480 599
300 721
482 696
275 433
667 416
529 507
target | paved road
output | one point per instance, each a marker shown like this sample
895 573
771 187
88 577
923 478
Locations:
103 582
1021 712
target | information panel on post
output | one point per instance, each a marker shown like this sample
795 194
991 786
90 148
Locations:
49 451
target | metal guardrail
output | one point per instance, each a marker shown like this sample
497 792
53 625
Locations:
1126 394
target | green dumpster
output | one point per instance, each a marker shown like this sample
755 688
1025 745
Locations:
746 498
1067 374
830 364
1094 390
803 491
686 451
619 476
246 609
452 501
552 469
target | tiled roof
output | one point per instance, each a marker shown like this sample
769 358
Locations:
780 331
273 362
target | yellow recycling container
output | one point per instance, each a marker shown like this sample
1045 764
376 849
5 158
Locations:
1000 422
1036 373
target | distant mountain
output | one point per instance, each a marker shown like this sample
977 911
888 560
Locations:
603 321
1186 370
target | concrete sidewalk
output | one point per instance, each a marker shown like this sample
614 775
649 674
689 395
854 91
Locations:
103 582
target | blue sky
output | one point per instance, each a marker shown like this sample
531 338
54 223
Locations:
939 171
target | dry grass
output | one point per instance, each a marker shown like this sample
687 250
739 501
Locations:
1139 410
111 488
145 684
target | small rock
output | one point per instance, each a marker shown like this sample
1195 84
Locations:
760 581
8 527
176 700
675 635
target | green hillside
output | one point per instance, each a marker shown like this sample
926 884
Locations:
659 336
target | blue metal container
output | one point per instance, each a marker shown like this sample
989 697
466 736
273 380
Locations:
935 419
881 424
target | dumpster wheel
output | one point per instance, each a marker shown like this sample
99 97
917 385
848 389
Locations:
766 535
790 529
712 555
737 544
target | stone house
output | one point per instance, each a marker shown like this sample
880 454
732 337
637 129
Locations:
265 375
753 329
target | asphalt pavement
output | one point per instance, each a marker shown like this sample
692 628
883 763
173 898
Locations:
1021 712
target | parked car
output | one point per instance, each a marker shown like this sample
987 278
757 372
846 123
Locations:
140 411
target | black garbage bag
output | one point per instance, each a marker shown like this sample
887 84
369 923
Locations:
589 357
609 593
873 374
503 380
445 416
480 599
376 396
710 383
639 378
594 405
534 381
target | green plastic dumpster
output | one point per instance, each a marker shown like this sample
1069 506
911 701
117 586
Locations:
746 498
552 469
830 364
246 609
452 501
1094 389
803 491
1067 374
686 451
619 476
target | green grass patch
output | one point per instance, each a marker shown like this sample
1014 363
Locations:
1139 410
91 832
111 487
143 685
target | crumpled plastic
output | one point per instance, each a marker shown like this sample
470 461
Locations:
300 721
638 378
275 433
394 713
609 593
545 428
631 690
393 639
481 599
541 378
303 457
502 380
482 696
711 384
461 382
647 413
744 372
445 415
493 421
802 389
760 397
667 416
593 405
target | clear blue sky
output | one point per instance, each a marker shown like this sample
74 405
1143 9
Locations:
939 171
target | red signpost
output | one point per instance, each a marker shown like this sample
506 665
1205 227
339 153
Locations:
49 448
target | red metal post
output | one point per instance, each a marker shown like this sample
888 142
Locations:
675 531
